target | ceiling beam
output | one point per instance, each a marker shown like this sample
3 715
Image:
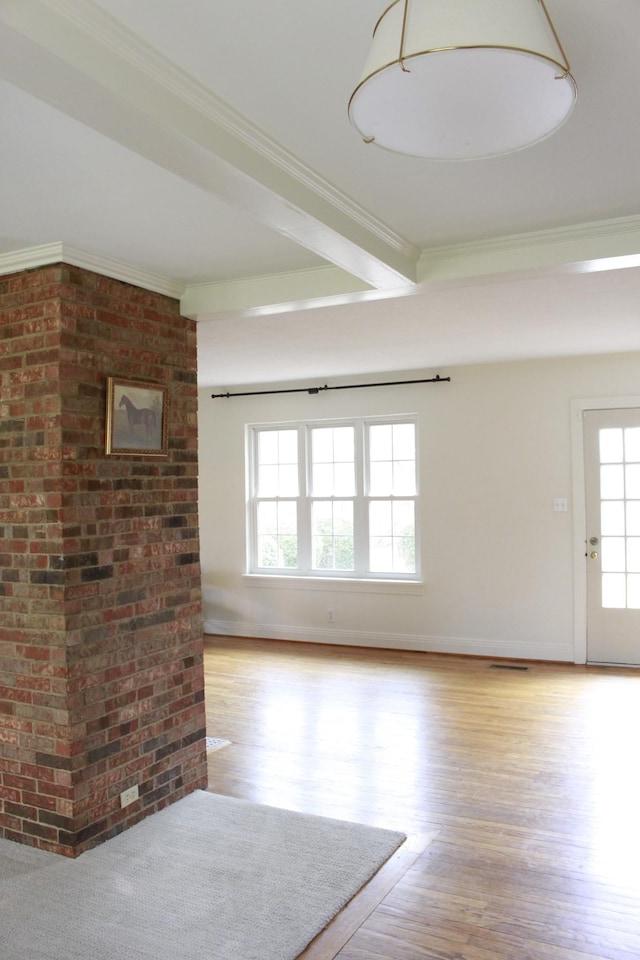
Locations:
582 248
72 55
280 293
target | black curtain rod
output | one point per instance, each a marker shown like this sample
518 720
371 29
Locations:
347 386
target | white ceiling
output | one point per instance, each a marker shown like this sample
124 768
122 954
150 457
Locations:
203 149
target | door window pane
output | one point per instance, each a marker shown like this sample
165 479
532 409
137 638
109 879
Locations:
633 554
632 444
633 481
612 482
613 554
612 518
633 518
633 591
611 446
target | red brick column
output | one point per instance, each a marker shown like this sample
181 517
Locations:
101 678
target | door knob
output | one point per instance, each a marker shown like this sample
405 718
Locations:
594 555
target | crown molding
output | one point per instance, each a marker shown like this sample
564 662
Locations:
48 253
572 248
618 228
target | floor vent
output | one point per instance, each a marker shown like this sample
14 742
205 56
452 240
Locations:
508 666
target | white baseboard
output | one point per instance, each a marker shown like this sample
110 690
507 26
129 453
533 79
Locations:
512 650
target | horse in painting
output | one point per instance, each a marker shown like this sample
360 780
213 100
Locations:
139 416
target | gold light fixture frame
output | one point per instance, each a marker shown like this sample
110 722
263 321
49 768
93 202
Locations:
403 62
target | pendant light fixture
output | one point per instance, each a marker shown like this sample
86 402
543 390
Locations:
462 79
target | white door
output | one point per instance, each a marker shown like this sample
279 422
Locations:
612 478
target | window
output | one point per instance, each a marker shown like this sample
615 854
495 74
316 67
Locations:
620 516
334 499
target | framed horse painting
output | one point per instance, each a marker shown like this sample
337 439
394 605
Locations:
136 419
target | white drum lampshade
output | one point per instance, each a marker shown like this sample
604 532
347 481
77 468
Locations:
462 79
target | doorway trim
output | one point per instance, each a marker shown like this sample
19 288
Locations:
578 409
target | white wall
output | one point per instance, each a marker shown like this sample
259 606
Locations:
497 561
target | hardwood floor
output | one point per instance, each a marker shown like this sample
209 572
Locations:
528 779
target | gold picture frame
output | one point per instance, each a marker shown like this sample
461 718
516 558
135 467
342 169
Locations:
136 424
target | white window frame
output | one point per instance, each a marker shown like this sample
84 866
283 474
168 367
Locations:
360 500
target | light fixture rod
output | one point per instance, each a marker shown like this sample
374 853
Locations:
567 65
404 32
344 386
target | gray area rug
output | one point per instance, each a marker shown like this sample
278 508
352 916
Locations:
208 878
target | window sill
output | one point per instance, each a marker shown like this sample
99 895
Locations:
414 588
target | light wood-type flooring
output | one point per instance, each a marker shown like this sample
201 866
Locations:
524 785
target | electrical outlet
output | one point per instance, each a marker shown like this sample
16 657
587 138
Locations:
129 796
331 615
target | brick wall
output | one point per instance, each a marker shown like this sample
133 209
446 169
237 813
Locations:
101 677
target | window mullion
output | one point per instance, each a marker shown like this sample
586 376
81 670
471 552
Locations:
304 501
360 509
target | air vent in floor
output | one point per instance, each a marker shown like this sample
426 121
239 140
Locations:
508 666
